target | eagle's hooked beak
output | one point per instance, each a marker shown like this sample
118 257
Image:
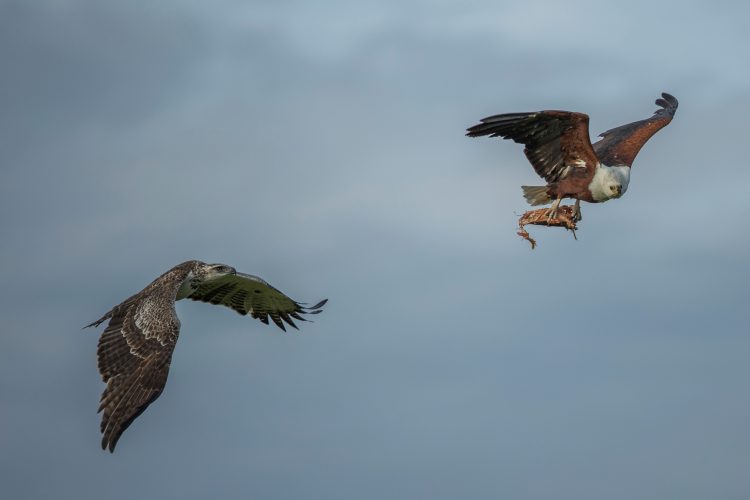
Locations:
618 191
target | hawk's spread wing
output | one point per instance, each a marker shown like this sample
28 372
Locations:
555 141
134 354
249 294
620 145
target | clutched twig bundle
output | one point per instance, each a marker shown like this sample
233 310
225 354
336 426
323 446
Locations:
540 217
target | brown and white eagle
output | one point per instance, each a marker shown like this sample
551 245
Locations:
135 350
560 150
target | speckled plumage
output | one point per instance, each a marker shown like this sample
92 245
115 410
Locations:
135 349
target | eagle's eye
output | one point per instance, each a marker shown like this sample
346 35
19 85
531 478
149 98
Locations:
611 188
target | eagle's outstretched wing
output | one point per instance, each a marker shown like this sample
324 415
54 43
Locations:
555 141
620 145
134 355
249 294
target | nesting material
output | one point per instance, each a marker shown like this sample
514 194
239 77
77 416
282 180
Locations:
540 217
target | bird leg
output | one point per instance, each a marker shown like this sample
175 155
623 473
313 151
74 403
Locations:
577 211
552 214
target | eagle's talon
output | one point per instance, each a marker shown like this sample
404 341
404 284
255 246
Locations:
577 212
552 214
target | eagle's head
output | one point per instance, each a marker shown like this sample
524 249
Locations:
615 190
609 182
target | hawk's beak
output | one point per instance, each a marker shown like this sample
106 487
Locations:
619 191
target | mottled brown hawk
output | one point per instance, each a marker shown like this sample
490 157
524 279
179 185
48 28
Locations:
135 350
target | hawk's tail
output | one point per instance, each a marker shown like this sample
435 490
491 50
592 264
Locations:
536 195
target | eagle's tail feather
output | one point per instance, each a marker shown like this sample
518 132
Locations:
536 195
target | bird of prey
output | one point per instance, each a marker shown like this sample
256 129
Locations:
560 150
135 349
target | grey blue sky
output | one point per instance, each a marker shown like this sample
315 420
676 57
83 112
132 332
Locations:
320 145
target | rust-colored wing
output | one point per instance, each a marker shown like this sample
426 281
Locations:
249 294
556 141
619 146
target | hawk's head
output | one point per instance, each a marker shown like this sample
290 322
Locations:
201 272
206 272
213 271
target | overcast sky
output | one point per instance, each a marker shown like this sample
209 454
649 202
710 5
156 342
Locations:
320 146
